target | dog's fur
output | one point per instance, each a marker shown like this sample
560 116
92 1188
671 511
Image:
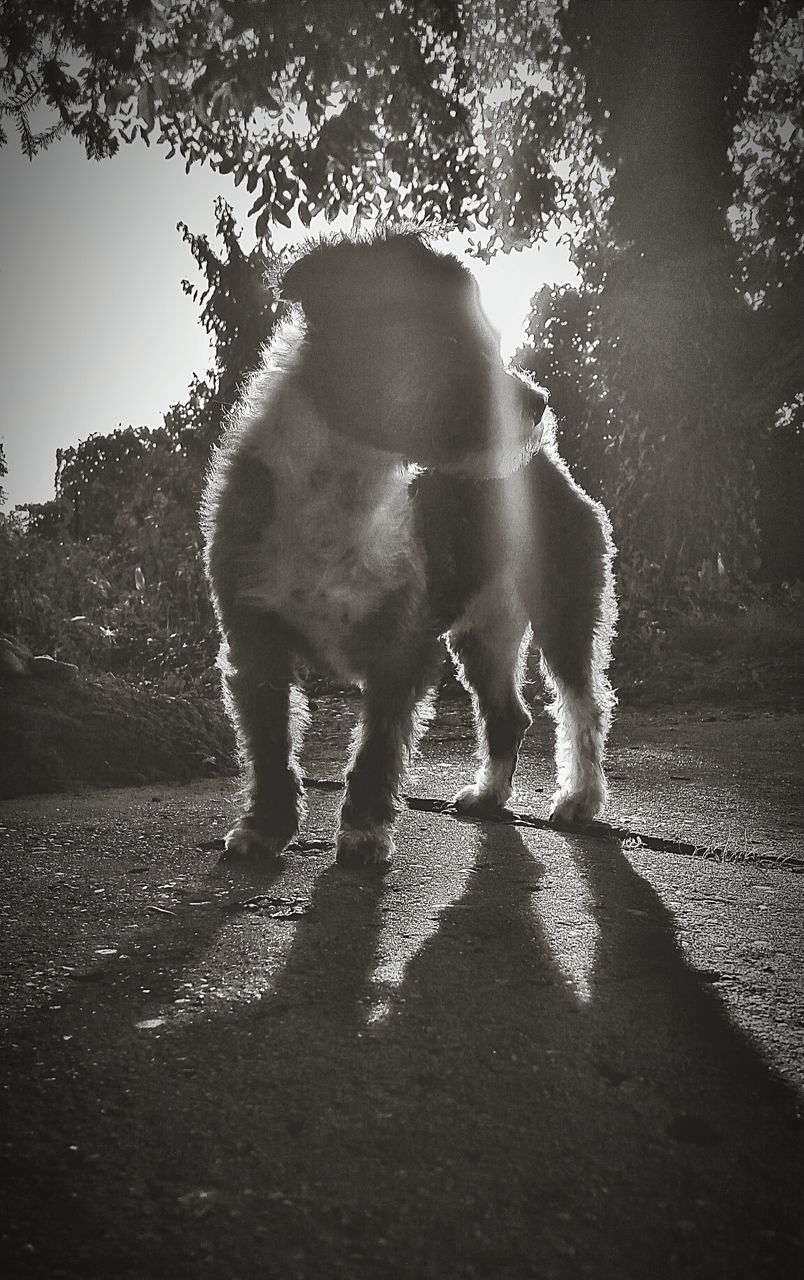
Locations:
386 482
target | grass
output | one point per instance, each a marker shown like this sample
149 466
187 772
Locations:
759 631
105 732
750 656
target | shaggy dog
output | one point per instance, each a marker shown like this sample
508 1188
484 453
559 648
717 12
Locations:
387 483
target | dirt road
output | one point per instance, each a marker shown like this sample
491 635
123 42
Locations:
518 1054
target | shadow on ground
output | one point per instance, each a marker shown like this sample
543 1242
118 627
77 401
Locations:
476 1109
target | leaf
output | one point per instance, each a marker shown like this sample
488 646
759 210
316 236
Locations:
145 105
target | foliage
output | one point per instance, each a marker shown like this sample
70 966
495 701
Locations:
147 550
437 110
61 734
88 600
667 136
118 585
560 348
768 154
293 97
668 379
780 485
238 306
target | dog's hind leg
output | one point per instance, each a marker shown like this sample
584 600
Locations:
393 715
269 714
490 657
572 609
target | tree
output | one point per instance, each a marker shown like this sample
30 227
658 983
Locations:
162 469
637 124
130 572
239 308
670 308
316 105
767 156
680 373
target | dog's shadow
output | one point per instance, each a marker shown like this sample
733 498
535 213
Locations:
501 1118
501 1113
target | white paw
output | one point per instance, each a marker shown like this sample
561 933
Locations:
477 802
365 847
569 808
244 841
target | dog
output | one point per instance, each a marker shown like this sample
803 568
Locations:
386 484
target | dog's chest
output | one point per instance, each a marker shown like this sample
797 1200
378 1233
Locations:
340 543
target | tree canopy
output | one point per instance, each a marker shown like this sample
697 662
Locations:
665 136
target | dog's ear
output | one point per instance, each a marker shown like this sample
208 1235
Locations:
321 278
308 281
338 278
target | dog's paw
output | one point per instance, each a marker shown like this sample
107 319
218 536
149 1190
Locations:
248 841
477 803
569 809
365 846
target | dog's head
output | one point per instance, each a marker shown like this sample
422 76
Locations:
400 355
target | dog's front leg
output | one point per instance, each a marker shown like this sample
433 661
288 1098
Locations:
389 726
269 715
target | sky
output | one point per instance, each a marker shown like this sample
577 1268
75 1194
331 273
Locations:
95 330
